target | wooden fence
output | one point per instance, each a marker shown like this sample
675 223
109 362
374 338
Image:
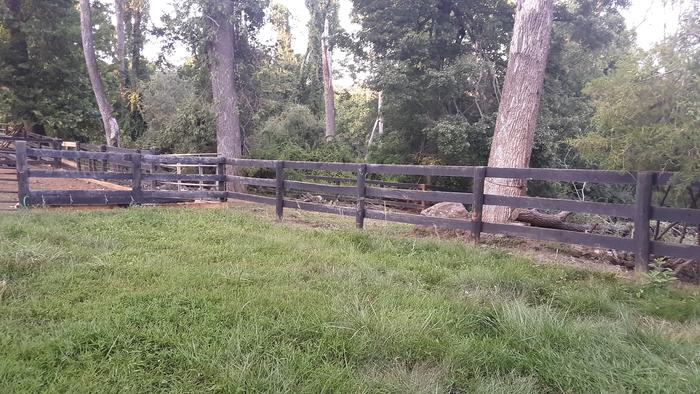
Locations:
641 211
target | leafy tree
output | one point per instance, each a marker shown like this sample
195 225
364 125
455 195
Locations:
43 80
646 110
220 36
311 74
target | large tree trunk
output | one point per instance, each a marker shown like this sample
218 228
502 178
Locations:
328 93
517 113
228 127
108 121
136 42
121 43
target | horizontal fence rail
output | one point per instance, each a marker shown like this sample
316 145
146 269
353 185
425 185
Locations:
229 182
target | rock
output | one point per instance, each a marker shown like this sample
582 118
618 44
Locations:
451 210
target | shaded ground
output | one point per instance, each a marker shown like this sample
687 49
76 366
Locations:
183 300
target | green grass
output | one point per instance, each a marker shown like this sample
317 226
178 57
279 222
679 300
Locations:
227 300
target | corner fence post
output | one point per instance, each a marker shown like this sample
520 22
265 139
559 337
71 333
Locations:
221 172
22 172
645 180
56 145
361 192
136 194
478 204
279 176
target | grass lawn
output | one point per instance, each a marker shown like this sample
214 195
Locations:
227 300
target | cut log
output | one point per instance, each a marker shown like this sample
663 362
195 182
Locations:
538 219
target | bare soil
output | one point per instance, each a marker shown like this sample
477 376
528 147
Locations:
8 186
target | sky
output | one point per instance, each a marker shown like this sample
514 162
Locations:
651 19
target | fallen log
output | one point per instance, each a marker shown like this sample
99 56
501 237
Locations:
558 222
538 219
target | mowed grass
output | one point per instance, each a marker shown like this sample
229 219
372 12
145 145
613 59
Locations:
227 300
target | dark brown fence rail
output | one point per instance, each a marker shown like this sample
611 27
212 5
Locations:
641 212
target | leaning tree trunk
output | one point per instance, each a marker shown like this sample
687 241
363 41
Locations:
228 127
378 124
121 43
108 121
517 114
328 93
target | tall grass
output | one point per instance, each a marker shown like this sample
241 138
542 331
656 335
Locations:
153 300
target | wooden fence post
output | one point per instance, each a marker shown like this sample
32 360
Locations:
136 194
200 170
478 205
153 168
56 145
78 161
645 180
22 172
221 171
279 176
361 192
103 148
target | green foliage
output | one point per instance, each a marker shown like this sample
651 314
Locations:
646 111
355 114
43 81
441 63
179 119
296 134
224 299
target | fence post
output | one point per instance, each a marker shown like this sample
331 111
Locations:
361 191
645 180
103 148
201 172
136 194
77 159
153 168
22 172
221 171
56 145
279 176
478 205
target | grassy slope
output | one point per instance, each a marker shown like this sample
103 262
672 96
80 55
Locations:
150 299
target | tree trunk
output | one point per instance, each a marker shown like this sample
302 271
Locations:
136 42
121 44
378 124
228 127
517 114
108 121
328 93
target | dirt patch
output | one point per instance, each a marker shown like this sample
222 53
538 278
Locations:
8 185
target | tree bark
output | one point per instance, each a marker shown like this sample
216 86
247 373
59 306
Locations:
121 43
228 127
108 121
136 42
517 114
328 93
